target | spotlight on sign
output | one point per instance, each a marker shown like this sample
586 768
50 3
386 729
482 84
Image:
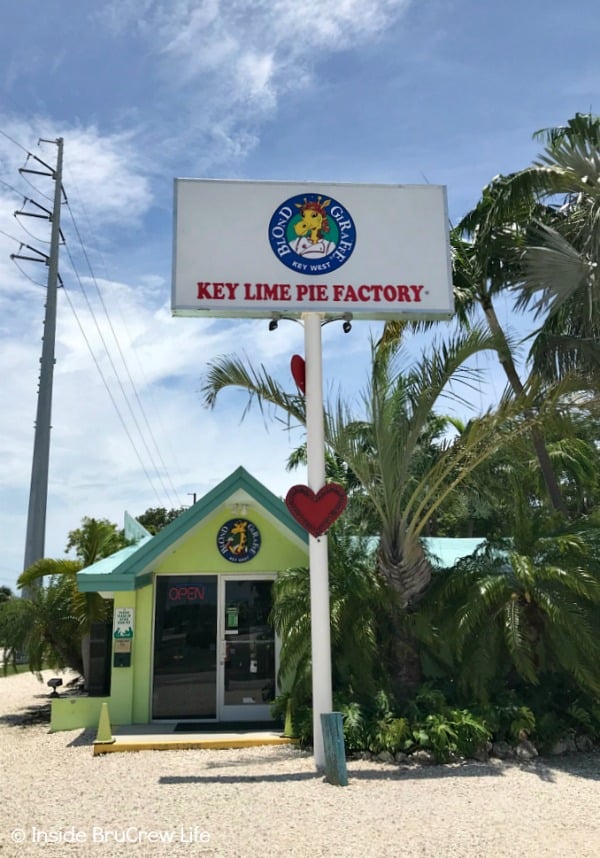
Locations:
347 326
273 324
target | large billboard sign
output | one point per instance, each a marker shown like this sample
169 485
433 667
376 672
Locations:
269 249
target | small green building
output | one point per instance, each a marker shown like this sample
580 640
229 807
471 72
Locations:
190 639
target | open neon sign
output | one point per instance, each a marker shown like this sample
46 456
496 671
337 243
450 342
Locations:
187 594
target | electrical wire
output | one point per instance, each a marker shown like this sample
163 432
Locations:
37 190
29 155
30 234
28 277
18 240
16 190
108 390
140 367
128 373
117 376
16 142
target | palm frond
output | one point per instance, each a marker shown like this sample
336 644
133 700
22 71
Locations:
554 267
262 388
46 567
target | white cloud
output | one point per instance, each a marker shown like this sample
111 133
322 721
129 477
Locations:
108 174
94 467
104 174
232 62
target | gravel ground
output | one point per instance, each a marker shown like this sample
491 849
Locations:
271 802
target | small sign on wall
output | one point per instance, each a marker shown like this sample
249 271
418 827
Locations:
123 624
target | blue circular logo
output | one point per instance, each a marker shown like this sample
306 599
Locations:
312 234
238 540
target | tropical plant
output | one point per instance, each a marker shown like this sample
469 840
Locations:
486 257
379 447
558 272
357 601
53 622
523 609
382 445
94 539
427 721
87 608
484 503
155 518
43 626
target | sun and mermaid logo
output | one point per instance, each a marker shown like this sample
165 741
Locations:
312 234
238 540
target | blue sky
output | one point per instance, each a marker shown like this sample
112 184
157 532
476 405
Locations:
379 91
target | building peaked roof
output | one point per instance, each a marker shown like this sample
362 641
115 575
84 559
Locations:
131 567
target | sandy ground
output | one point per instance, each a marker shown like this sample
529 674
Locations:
59 800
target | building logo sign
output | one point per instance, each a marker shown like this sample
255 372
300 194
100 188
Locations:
238 540
271 250
312 234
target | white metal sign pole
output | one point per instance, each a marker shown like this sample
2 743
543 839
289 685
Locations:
319 571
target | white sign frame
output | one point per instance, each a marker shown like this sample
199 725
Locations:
233 257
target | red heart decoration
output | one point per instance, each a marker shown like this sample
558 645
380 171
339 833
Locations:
298 368
316 512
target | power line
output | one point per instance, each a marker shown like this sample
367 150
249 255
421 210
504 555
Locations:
24 273
140 367
29 233
108 390
12 238
13 256
123 359
112 363
16 142
27 276
12 188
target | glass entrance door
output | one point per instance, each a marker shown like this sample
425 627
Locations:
185 647
214 649
247 650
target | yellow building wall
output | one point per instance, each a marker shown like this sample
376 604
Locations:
131 687
199 552
142 656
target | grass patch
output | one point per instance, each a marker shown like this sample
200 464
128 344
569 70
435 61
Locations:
11 670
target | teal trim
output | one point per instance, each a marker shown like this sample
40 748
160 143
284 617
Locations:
123 570
106 566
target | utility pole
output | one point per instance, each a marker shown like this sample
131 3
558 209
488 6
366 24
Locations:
38 493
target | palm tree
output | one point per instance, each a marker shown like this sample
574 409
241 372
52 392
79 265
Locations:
559 263
44 626
485 250
88 608
522 608
79 611
358 600
95 538
380 446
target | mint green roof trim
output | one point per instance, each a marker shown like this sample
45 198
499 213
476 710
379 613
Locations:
102 568
123 570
